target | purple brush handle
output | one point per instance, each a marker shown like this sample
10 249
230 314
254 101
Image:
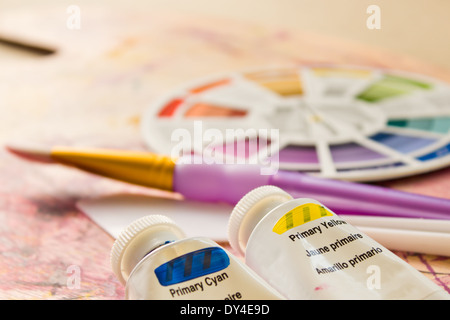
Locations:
229 183
217 182
357 198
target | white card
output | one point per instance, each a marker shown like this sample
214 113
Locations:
197 219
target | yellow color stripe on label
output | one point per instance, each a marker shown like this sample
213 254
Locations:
300 215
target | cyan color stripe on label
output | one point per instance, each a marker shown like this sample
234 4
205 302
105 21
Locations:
192 265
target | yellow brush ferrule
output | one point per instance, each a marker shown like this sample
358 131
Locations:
141 168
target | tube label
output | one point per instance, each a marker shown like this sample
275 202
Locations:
196 268
308 252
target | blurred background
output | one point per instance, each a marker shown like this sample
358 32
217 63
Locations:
420 28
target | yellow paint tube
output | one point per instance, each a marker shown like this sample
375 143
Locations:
305 251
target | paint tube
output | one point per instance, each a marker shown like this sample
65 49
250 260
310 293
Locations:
305 251
155 261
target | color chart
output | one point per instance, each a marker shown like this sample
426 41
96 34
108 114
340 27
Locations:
339 122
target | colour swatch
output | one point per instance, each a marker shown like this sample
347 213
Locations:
339 122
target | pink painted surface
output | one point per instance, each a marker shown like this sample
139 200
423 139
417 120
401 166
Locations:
92 93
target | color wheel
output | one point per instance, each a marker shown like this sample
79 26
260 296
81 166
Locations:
338 122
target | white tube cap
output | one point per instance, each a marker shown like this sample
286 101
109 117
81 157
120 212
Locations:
250 210
138 239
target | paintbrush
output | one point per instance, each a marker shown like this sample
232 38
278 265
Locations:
26 45
230 182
